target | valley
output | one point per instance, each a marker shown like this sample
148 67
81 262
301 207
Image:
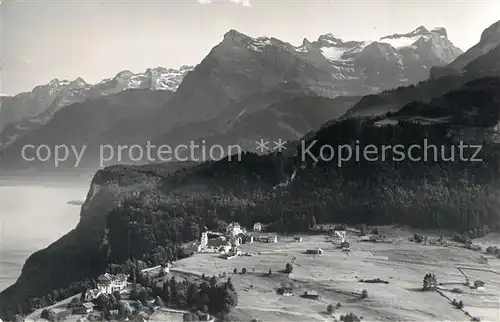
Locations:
335 276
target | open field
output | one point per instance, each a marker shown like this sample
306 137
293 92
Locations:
335 276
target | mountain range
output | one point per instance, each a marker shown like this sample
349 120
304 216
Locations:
26 112
240 76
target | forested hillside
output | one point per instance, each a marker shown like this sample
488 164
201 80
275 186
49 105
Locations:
153 209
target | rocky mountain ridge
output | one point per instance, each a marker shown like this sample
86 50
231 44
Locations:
482 60
241 67
241 70
27 111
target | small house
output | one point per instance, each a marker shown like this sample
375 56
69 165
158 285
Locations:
268 239
286 291
312 295
318 251
84 308
297 238
257 226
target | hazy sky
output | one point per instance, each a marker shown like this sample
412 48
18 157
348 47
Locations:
45 39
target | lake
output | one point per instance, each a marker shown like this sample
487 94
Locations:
32 216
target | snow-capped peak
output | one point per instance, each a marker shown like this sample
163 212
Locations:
329 39
405 40
53 87
440 31
420 30
60 93
159 78
79 82
124 74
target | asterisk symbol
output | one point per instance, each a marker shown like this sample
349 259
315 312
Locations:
279 145
262 145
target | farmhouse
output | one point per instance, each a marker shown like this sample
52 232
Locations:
268 239
84 308
312 295
286 291
108 283
257 226
314 251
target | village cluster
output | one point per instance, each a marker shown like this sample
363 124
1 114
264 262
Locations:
227 244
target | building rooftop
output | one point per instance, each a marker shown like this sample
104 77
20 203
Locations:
88 305
217 242
108 278
312 293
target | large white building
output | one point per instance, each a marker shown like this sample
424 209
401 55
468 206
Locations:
108 283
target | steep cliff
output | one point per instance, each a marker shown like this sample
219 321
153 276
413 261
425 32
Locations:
86 251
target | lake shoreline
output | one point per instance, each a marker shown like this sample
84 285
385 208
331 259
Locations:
50 207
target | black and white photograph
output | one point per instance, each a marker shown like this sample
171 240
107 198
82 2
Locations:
249 160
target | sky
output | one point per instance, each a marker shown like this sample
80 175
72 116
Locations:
43 39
